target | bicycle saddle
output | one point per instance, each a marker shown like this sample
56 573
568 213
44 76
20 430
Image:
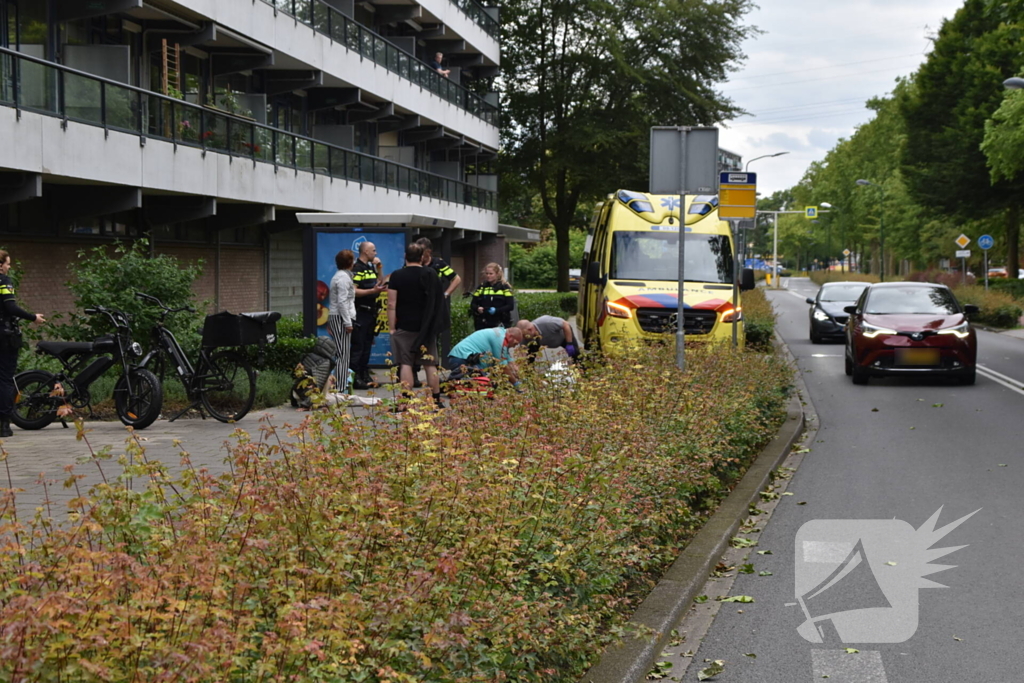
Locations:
263 316
64 350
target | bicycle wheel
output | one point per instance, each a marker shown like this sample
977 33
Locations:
227 385
138 397
34 407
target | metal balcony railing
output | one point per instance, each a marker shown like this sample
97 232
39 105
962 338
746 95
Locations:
36 85
330 22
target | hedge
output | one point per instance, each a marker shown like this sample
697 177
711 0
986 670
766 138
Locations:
506 540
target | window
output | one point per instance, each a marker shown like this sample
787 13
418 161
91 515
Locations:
654 255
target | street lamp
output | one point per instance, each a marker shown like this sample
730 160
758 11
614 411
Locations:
1014 83
777 154
881 227
828 239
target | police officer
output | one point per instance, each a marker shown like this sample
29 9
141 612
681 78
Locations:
10 342
450 281
493 300
367 276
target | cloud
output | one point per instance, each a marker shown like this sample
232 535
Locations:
804 83
779 142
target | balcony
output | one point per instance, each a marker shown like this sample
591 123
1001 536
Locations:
328 21
35 85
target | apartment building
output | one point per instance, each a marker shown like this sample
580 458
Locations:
206 126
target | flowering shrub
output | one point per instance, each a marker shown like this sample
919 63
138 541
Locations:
501 540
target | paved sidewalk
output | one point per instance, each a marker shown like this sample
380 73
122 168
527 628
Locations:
35 457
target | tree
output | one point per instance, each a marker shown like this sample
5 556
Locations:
584 80
956 90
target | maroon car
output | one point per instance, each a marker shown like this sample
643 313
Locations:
910 328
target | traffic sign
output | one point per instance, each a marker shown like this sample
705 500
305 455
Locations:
986 242
737 195
962 241
963 253
846 252
810 212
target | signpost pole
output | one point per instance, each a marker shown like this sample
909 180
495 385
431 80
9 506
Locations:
681 309
963 270
735 224
986 269
775 251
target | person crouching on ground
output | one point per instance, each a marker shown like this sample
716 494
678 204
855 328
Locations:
484 349
549 332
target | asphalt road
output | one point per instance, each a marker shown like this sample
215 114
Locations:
897 449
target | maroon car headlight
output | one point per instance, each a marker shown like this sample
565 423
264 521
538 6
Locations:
872 331
962 330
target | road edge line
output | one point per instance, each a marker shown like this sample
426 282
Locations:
631 660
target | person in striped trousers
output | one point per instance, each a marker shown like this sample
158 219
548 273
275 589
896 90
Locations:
342 314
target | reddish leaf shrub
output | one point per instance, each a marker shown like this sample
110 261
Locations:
501 540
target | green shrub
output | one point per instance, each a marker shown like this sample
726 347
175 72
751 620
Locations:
110 277
996 308
534 265
285 353
1014 288
273 388
530 305
758 319
507 543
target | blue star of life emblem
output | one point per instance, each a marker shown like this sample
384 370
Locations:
670 203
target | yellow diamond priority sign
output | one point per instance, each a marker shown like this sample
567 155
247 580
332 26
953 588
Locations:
962 241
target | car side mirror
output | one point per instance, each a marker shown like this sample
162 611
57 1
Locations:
850 309
970 309
594 274
810 301
747 279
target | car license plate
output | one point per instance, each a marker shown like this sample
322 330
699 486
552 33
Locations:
917 356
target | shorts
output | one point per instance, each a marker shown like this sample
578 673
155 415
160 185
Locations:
404 354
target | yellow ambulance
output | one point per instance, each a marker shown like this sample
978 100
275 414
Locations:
630 273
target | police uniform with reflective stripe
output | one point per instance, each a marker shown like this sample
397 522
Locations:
364 275
446 273
10 344
498 296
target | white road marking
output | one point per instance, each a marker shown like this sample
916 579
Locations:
826 355
797 295
825 552
840 667
998 377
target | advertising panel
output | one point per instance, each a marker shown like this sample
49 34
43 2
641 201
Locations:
326 243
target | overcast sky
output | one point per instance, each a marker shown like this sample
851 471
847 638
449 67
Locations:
807 77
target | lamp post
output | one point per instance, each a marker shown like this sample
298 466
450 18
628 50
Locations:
1014 83
828 239
765 156
881 227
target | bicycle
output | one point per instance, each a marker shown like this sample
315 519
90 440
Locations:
221 382
41 395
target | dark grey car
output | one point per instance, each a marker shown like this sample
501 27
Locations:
828 320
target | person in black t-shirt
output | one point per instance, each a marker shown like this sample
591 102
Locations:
436 65
10 342
450 281
414 294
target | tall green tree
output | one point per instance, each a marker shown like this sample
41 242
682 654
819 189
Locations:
956 90
584 80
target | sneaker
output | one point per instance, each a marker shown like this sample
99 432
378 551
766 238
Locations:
360 385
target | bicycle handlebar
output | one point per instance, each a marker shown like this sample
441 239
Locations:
150 297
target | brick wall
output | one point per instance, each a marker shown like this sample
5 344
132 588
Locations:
44 272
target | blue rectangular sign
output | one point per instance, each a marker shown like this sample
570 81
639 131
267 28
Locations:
736 178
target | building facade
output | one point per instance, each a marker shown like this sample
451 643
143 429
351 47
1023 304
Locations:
205 126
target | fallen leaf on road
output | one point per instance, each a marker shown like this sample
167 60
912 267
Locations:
851 650
764 572
738 542
764 552
709 672
750 654
747 569
737 598
787 493
874 410
959 640
936 405
700 599
802 502
1002 465
891 564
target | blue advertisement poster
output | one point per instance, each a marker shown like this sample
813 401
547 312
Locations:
391 252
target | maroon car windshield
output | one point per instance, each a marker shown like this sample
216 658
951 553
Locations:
911 300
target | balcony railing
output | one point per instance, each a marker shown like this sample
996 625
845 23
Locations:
31 84
324 19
